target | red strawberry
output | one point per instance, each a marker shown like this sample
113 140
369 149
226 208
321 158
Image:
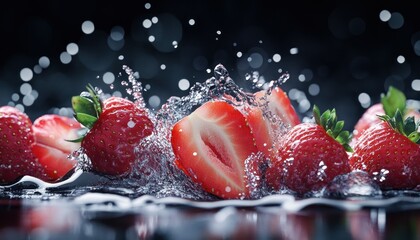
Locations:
211 146
51 146
390 153
278 104
393 100
16 157
311 155
116 128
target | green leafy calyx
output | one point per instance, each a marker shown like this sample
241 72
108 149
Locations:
333 127
87 107
392 101
407 127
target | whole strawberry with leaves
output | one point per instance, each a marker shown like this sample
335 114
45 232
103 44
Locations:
390 152
311 154
391 101
116 127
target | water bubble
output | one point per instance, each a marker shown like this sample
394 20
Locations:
131 124
381 175
147 5
208 70
72 48
304 105
121 57
88 27
155 20
191 22
301 78
239 54
218 32
162 66
26 74
353 184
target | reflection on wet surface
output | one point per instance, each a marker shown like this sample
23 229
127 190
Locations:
63 219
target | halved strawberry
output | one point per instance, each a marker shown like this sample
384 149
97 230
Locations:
52 147
211 146
277 104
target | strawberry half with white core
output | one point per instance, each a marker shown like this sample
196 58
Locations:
52 147
211 146
116 128
311 155
16 156
391 101
276 105
390 152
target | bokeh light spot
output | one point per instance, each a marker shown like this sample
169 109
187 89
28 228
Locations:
154 101
415 84
72 48
314 89
88 27
108 77
294 51
44 62
396 21
117 33
276 57
384 15
400 59
184 84
26 74
147 23
65 57
364 100
191 22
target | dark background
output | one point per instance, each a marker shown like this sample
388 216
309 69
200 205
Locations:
344 48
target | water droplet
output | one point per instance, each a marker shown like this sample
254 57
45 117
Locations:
26 74
294 51
88 27
131 124
72 48
191 22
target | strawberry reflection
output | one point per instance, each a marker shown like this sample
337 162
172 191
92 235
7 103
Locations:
366 224
49 219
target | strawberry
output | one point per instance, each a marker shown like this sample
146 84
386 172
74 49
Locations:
16 157
273 103
393 100
116 127
389 152
51 146
311 154
211 146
